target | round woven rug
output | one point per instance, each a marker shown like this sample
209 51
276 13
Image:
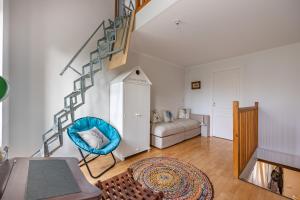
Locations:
176 179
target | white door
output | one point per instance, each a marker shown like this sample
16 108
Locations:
137 118
226 86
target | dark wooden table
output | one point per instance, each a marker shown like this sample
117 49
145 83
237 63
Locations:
16 185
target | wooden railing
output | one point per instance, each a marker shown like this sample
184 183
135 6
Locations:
139 4
245 135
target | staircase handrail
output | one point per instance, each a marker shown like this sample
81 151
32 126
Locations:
80 50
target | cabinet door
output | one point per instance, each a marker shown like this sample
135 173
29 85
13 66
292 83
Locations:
136 118
143 120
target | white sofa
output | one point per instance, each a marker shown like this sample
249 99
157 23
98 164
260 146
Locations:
166 134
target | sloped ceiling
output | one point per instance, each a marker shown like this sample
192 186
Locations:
217 29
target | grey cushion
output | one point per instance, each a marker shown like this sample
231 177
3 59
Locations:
188 124
94 138
175 127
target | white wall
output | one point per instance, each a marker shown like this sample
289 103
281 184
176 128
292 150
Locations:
271 77
44 35
4 70
167 92
1 62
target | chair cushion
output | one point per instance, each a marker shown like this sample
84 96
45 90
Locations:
175 127
94 138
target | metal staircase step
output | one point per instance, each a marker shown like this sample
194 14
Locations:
72 99
118 22
103 49
111 23
52 140
61 117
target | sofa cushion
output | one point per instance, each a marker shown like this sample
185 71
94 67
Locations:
188 124
166 128
175 127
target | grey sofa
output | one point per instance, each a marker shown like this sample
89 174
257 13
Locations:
166 134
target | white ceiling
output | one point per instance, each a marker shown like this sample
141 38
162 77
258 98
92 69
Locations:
218 29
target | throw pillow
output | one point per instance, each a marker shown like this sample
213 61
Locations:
156 117
182 113
188 113
94 138
168 116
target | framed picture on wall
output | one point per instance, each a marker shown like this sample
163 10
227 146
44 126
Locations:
196 85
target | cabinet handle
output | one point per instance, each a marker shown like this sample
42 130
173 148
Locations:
138 115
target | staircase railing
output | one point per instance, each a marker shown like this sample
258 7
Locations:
245 136
81 49
53 138
139 4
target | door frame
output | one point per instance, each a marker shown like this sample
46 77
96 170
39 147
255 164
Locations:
213 91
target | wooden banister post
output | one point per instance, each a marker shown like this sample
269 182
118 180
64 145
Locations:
138 5
256 123
236 167
245 136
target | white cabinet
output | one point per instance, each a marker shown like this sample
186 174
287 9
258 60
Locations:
130 111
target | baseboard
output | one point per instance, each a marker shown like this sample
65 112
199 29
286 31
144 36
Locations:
285 159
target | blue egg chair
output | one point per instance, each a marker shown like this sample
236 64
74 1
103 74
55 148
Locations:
110 132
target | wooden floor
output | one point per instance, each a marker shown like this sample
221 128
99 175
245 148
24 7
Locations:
212 155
